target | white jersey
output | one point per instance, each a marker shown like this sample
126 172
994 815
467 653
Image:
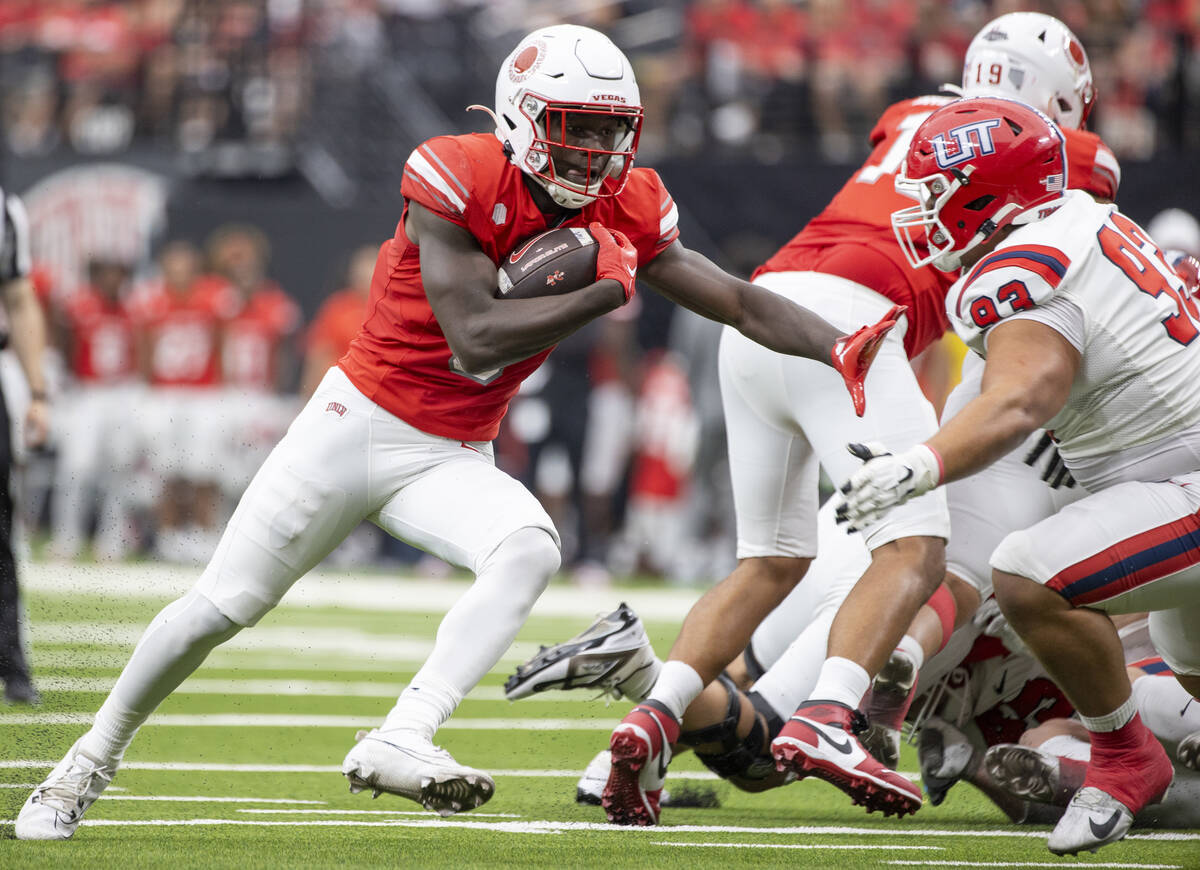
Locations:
1094 276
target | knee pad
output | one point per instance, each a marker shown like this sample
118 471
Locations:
529 553
196 623
739 758
754 668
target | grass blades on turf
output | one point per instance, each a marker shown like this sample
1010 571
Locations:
240 767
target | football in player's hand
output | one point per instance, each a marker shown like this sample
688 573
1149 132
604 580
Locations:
557 261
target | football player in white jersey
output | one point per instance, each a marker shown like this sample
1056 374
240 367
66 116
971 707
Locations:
1086 331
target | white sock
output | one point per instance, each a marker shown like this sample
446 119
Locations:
112 731
1167 708
677 686
843 681
1114 721
911 647
176 642
423 706
477 630
792 678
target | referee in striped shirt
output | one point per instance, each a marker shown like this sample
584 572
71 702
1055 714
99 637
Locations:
27 337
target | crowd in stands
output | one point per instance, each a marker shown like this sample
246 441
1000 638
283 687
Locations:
749 76
176 379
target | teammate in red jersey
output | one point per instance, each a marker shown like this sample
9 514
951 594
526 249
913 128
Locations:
178 317
400 431
257 354
845 264
337 321
99 438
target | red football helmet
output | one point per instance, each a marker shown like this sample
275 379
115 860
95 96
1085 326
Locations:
975 167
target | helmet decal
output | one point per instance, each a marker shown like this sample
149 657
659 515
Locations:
964 143
527 61
974 167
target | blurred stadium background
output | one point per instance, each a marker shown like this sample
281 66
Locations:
258 145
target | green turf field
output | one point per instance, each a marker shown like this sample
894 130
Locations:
240 767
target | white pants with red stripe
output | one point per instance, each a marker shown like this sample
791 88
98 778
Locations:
1132 547
343 460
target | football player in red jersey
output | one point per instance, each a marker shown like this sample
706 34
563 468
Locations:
99 440
846 263
257 354
178 319
399 432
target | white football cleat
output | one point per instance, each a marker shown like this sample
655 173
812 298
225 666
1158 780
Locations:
590 787
612 654
1093 818
408 765
56 807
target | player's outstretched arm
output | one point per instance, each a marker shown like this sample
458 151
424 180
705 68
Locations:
692 280
483 332
1027 380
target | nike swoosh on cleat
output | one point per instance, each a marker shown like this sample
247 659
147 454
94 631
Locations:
662 753
1185 706
999 687
1101 832
845 747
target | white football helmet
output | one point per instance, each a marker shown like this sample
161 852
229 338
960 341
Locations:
567 69
1033 58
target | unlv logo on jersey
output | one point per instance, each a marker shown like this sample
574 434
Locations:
964 143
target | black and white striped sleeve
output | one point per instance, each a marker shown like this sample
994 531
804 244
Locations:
15 260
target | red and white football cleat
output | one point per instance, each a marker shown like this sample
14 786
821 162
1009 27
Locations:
853 354
1121 781
821 740
641 751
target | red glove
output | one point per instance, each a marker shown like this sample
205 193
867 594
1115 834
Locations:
853 355
616 257
1188 269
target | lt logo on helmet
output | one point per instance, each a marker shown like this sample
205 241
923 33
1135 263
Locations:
964 143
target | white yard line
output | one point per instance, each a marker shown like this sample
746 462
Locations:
851 847
327 688
28 763
300 642
558 827
352 590
286 720
202 799
422 813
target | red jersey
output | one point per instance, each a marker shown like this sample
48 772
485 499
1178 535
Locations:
337 322
252 337
102 338
183 331
401 359
853 237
